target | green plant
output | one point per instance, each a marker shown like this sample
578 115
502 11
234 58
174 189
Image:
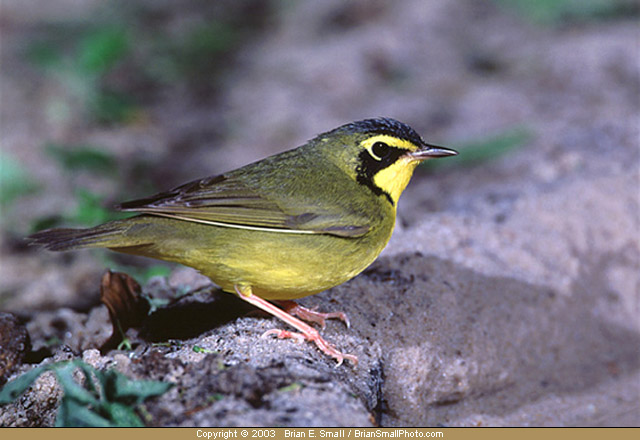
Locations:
553 12
293 387
485 149
142 274
82 157
198 349
14 181
96 51
90 211
103 399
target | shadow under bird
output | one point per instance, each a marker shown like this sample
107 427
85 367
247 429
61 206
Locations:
288 226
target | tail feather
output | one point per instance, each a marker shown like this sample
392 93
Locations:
63 239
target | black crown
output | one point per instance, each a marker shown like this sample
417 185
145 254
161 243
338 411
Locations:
387 126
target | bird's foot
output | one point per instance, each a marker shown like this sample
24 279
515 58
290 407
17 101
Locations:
307 333
314 337
311 315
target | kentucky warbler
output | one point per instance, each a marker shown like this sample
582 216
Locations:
288 226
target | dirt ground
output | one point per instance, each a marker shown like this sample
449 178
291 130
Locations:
509 294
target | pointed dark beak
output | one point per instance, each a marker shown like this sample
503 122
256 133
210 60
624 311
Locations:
429 151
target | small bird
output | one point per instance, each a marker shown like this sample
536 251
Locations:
285 227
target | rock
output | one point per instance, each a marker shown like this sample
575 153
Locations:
14 344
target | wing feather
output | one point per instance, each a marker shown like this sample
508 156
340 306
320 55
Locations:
225 200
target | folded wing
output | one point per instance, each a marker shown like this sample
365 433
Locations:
227 201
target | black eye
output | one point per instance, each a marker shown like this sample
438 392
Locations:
380 149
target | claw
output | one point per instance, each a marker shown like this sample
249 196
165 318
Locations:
311 315
323 345
307 332
284 334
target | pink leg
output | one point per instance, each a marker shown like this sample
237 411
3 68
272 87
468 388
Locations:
310 315
306 331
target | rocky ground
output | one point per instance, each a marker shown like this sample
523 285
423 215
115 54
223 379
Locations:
509 294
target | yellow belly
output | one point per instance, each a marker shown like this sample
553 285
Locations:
285 266
275 265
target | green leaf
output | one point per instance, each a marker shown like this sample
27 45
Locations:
154 271
123 415
141 274
215 397
73 390
12 390
198 349
295 386
89 210
88 371
552 12
125 344
133 392
43 54
209 39
483 150
112 107
77 157
14 180
102 49
198 53
87 405
72 413
44 222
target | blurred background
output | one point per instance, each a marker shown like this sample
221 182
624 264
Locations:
522 254
105 101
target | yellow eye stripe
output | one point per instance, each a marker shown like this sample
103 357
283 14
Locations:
389 140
